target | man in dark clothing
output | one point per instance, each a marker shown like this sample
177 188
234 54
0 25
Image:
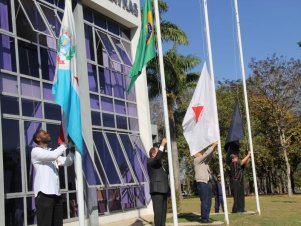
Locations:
237 179
218 195
158 183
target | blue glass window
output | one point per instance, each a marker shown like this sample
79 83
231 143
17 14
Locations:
133 157
106 158
120 158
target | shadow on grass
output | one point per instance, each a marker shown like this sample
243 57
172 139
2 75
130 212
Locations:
140 222
189 216
192 217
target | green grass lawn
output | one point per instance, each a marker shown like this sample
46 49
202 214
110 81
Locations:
277 210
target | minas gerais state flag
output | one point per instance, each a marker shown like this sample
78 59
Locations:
199 124
146 45
65 84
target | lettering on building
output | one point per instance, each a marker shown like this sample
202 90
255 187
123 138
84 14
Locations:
127 5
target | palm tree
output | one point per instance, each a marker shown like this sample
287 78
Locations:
176 67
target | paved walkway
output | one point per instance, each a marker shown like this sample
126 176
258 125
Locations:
147 221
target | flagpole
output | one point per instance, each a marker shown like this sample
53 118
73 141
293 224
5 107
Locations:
246 102
80 188
167 130
221 167
79 29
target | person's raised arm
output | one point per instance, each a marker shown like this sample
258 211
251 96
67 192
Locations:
207 153
163 143
246 159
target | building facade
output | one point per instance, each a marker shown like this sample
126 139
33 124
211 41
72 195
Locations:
116 125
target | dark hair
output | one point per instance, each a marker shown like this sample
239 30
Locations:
151 151
232 156
156 145
35 136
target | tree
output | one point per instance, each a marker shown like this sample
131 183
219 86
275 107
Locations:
275 87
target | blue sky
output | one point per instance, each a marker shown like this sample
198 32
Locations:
267 27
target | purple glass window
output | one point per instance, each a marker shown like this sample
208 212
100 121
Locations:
125 69
73 205
11 156
24 29
132 156
28 58
121 122
140 150
54 131
47 41
34 16
48 63
140 196
92 76
30 128
47 93
5 15
121 51
106 59
132 95
9 105
113 27
31 210
105 83
71 178
100 20
102 201
89 169
99 50
30 88
108 45
31 108
116 66
114 200
120 158
7 53
134 125
132 109
100 167
127 198
107 104
88 14
52 111
94 102
8 83
106 158
118 85
52 19
96 119
127 47
14 212
108 120
126 33
89 42
120 107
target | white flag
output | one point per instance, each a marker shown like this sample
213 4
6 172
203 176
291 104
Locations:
200 121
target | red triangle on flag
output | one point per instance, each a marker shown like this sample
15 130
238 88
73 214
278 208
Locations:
197 111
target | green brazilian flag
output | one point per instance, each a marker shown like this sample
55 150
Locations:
146 45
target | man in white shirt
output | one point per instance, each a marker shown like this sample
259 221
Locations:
46 184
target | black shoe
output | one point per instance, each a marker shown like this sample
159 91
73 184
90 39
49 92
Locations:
207 221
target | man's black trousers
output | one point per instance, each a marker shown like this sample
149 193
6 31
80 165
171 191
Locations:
49 210
160 208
